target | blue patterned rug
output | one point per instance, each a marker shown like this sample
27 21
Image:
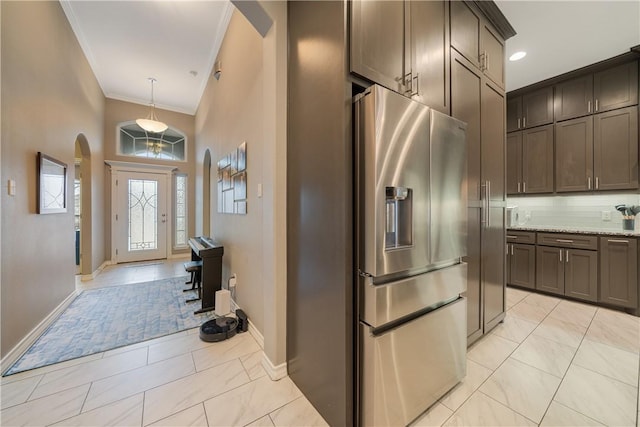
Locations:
102 319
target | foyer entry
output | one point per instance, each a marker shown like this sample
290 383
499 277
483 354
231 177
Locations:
140 212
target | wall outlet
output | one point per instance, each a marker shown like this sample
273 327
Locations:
606 215
232 281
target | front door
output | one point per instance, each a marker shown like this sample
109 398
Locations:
141 216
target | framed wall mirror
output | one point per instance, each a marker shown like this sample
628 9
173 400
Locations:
52 185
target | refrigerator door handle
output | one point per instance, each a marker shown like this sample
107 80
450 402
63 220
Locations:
484 205
488 198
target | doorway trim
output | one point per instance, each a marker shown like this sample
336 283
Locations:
86 216
118 167
206 194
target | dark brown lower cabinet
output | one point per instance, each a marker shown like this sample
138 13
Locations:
521 265
581 274
550 269
619 272
570 272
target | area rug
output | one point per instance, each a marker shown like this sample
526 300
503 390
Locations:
103 319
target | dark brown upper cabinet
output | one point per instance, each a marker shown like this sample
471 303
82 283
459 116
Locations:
616 87
619 271
403 46
574 98
574 155
430 53
474 37
378 42
598 152
530 161
615 145
530 110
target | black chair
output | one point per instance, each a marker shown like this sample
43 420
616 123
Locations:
195 268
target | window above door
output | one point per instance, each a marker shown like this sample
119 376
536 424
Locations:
134 141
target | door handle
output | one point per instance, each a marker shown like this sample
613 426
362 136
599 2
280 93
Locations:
511 250
518 122
597 183
564 241
588 106
488 198
589 183
596 105
617 241
560 255
518 187
567 259
524 122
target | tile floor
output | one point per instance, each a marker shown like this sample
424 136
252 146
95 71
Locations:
176 380
551 363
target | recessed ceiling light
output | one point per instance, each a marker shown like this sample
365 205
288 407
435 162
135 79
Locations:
517 56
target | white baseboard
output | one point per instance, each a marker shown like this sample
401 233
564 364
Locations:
275 372
185 255
255 333
16 352
88 277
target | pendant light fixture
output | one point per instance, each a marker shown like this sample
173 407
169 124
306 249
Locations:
151 123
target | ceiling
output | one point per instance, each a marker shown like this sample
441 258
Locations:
561 36
128 41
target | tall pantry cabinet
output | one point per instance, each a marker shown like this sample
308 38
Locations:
478 98
337 49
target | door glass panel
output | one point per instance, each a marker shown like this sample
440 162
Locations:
143 227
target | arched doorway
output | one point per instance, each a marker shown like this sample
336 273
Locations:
206 194
82 196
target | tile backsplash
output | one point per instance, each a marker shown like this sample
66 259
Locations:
584 211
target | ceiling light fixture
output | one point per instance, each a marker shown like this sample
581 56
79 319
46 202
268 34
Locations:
517 56
151 123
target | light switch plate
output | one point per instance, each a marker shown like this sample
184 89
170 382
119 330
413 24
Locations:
12 187
260 190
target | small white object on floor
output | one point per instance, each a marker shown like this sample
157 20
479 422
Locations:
223 302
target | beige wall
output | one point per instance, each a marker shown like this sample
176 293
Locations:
229 113
248 103
120 111
49 97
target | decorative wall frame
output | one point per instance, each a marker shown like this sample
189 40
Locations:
51 185
232 182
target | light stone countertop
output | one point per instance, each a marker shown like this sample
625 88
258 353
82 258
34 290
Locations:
575 230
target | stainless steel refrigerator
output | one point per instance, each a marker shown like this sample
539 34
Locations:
410 239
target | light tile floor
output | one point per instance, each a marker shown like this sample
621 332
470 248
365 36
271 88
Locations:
551 363
176 380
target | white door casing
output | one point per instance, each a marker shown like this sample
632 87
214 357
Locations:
141 192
